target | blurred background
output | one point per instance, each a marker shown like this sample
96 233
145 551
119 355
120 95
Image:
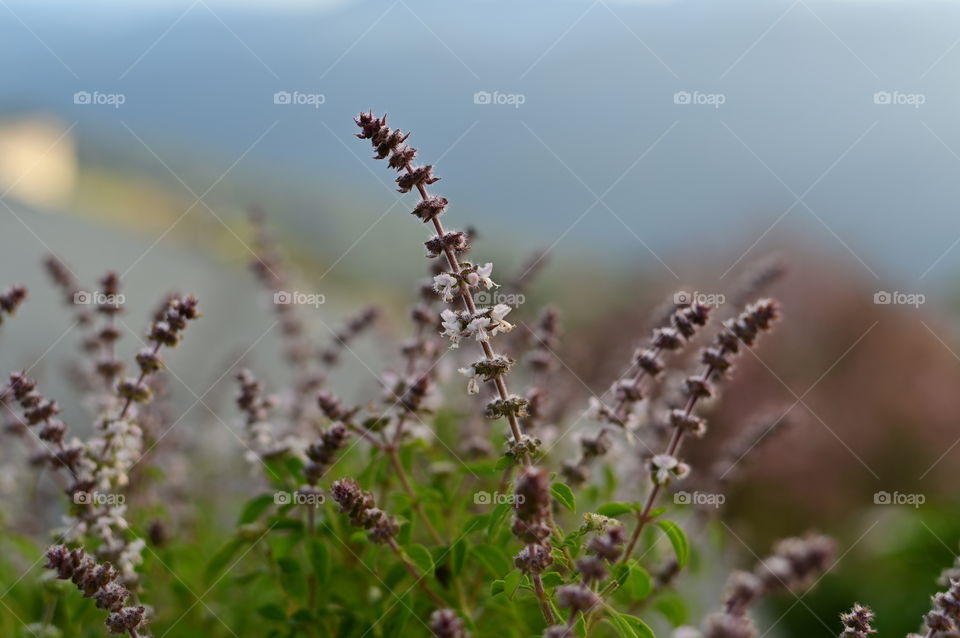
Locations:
623 149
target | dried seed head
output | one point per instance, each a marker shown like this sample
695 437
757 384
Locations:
532 491
11 299
444 623
743 588
857 622
533 559
501 408
125 620
362 510
576 597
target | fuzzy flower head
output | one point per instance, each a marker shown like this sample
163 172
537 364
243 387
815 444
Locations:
664 467
481 325
857 622
485 370
447 286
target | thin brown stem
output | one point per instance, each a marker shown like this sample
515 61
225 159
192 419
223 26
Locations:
471 307
415 574
542 597
643 517
391 452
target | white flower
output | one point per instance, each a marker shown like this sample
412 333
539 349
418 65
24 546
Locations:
445 285
473 383
497 313
478 328
451 327
664 467
483 274
480 275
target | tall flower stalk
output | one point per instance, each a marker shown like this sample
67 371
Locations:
462 279
717 359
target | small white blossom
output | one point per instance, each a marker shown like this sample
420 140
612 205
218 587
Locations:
452 327
473 380
480 276
664 467
497 313
478 328
445 285
483 273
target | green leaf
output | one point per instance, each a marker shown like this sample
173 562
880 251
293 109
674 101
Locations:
639 627
272 612
551 579
564 496
421 557
638 584
288 565
681 546
223 556
615 509
458 556
496 587
624 630
512 581
302 616
320 560
620 574
496 518
672 607
493 559
254 508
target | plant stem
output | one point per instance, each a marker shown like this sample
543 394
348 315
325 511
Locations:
643 517
542 597
417 577
468 302
394 457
